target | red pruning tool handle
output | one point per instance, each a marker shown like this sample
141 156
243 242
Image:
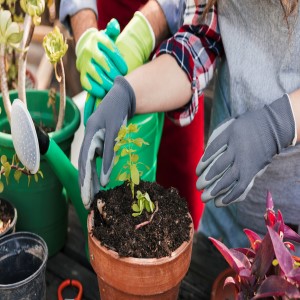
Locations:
70 282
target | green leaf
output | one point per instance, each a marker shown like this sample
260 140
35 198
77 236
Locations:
141 204
41 173
17 175
117 147
124 152
136 214
7 169
116 159
135 176
1 186
3 159
152 206
132 128
147 197
134 158
138 142
139 194
122 133
36 178
147 206
122 176
135 207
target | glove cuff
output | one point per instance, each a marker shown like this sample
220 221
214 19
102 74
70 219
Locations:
83 39
147 29
136 42
123 84
282 119
295 135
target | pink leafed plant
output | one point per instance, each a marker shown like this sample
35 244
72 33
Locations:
268 268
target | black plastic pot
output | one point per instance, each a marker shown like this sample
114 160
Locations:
23 257
10 212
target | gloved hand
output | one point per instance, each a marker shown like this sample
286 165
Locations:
101 131
240 150
99 60
91 104
135 43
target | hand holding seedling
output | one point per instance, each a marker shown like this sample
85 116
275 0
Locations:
101 131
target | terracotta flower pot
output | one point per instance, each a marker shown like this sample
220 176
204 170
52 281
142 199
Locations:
136 278
219 292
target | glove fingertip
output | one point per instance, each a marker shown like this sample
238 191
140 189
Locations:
124 69
85 198
113 29
104 179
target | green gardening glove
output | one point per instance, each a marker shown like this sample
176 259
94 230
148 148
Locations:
94 51
135 44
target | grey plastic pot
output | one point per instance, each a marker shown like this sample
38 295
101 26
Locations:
23 257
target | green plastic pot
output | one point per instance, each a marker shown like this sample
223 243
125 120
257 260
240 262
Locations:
42 206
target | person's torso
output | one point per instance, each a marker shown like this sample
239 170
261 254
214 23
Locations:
261 63
122 10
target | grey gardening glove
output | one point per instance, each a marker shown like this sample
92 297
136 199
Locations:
241 148
99 139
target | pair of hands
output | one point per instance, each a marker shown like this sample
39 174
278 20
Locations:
237 152
100 62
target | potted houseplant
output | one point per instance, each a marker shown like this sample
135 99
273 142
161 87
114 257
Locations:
140 234
43 213
267 269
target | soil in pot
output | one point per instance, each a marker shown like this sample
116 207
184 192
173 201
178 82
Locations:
168 229
8 216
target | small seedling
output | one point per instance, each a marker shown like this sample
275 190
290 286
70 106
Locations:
126 145
143 202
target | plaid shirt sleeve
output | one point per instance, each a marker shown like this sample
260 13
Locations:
195 48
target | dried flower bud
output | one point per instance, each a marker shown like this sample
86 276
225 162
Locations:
34 8
55 46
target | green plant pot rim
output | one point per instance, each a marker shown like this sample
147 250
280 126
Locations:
59 135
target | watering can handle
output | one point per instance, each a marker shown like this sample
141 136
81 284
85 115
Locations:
70 282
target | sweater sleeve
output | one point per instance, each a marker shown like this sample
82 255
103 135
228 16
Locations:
196 48
68 8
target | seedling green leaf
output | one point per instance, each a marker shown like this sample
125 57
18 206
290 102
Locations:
130 171
125 146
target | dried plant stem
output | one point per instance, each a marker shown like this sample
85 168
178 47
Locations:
15 167
4 86
60 76
27 37
150 220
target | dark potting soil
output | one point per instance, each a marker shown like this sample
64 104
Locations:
169 228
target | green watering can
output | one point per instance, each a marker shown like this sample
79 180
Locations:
30 142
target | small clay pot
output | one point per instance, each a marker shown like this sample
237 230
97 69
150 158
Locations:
219 292
137 278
